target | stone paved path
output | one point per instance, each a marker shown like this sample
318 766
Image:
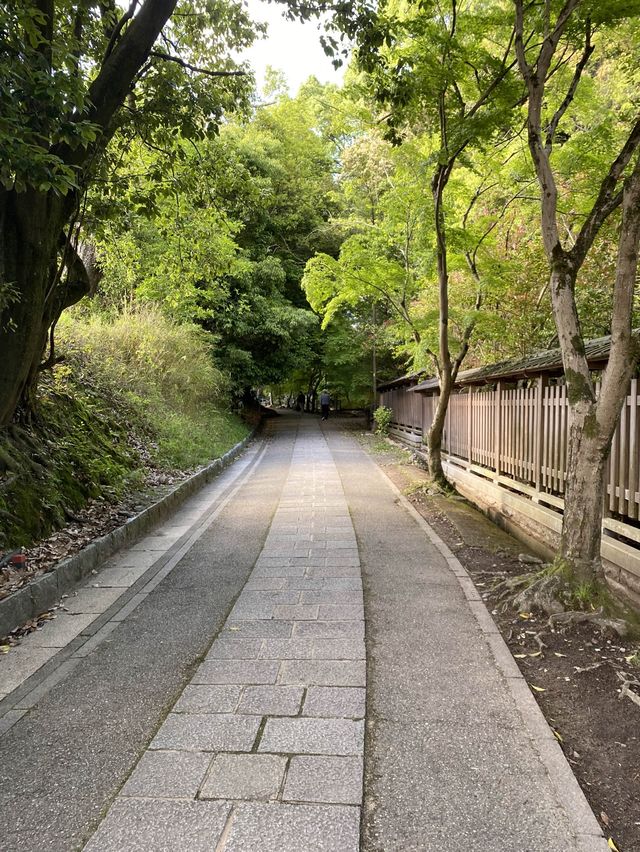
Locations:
255 743
264 749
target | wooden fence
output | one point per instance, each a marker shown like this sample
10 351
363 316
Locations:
518 438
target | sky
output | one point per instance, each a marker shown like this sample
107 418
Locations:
290 46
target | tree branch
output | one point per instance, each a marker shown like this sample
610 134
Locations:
115 34
158 54
568 98
609 197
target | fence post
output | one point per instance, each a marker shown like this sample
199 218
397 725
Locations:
497 438
539 434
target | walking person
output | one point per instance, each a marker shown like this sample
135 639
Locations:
325 399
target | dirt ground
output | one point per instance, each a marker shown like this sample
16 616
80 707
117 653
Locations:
576 677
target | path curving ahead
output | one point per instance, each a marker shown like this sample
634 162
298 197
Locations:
226 710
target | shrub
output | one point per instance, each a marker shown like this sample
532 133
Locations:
134 392
382 416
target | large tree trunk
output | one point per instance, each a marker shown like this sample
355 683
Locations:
31 226
584 492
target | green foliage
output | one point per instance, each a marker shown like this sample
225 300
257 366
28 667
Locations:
383 415
220 236
145 355
77 449
49 59
136 383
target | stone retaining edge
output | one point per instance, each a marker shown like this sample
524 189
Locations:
45 591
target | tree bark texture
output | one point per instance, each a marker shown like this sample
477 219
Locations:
31 226
436 430
588 449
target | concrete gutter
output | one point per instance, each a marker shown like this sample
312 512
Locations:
46 591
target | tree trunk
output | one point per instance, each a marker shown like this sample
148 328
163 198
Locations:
584 492
31 226
32 222
434 435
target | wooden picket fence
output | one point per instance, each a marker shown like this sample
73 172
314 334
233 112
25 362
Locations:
518 437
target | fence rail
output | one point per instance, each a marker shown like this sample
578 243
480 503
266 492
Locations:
519 436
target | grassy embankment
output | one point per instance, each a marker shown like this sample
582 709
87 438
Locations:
134 394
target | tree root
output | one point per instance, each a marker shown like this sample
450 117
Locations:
563 620
626 691
541 593
507 586
549 591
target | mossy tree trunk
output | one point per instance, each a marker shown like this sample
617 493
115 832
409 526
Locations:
592 420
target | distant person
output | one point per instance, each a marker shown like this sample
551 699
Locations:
300 402
325 399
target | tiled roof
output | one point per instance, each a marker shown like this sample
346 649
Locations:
548 361
408 379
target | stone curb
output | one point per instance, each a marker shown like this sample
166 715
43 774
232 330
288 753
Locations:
587 830
47 590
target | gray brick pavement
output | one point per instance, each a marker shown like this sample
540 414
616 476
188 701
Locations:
263 751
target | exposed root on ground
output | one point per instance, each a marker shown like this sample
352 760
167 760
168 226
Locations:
626 692
548 591
541 592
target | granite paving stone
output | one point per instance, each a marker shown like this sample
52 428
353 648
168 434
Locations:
59 631
287 649
323 672
267 584
226 648
237 671
271 700
332 596
335 780
207 732
334 701
257 777
248 598
253 612
304 584
91 600
333 570
205 698
294 828
339 612
168 775
258 629
312 736
156 825
21 663
338 649
296 613
328 629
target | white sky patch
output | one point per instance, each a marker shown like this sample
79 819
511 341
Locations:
291 47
